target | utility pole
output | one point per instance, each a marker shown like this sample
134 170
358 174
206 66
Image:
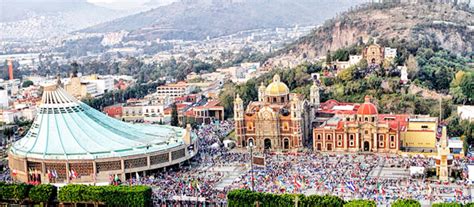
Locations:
440 109
251 164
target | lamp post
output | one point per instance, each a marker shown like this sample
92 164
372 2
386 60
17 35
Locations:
251 164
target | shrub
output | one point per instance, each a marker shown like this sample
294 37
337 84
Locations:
16 192
110 195
406 203
360 203
43 193
447 205
248 198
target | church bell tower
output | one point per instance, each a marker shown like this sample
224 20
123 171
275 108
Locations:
296 119
239 120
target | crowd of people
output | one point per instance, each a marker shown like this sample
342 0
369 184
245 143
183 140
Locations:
197 181
5 172
351 176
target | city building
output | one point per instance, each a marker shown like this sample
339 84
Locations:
93 85
364 130
9 116
354 59
374 54
420 134
114 111
103 84
4 99
273 122
11 86
80 89
390 53
466 112
360 128
174 90
82 145
207 113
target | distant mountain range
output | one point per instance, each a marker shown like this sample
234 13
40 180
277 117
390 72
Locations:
198 19
37 19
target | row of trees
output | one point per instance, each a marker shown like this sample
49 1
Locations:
47 193
20 193
249 198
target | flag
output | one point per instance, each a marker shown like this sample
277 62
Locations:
190 186
72 174
49 174
198 186
55 174
138 176
350 186
116 178
297 183
380 189
76 175
328 185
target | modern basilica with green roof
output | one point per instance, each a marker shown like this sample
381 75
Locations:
71 142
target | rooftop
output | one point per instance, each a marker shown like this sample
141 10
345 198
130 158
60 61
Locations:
66 128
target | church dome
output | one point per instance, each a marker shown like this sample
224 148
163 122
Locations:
277 88
367 108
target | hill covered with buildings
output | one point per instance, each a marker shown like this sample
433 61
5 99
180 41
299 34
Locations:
445 25
38 19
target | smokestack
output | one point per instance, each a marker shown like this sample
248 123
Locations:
10 69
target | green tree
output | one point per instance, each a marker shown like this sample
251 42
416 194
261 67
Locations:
174 115
447 205
26 84
467 87
360 203
328 58
347 74
406 203
341 55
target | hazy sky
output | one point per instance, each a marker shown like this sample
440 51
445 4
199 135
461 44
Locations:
128 4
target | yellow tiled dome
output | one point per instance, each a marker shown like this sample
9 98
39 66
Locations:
277 88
